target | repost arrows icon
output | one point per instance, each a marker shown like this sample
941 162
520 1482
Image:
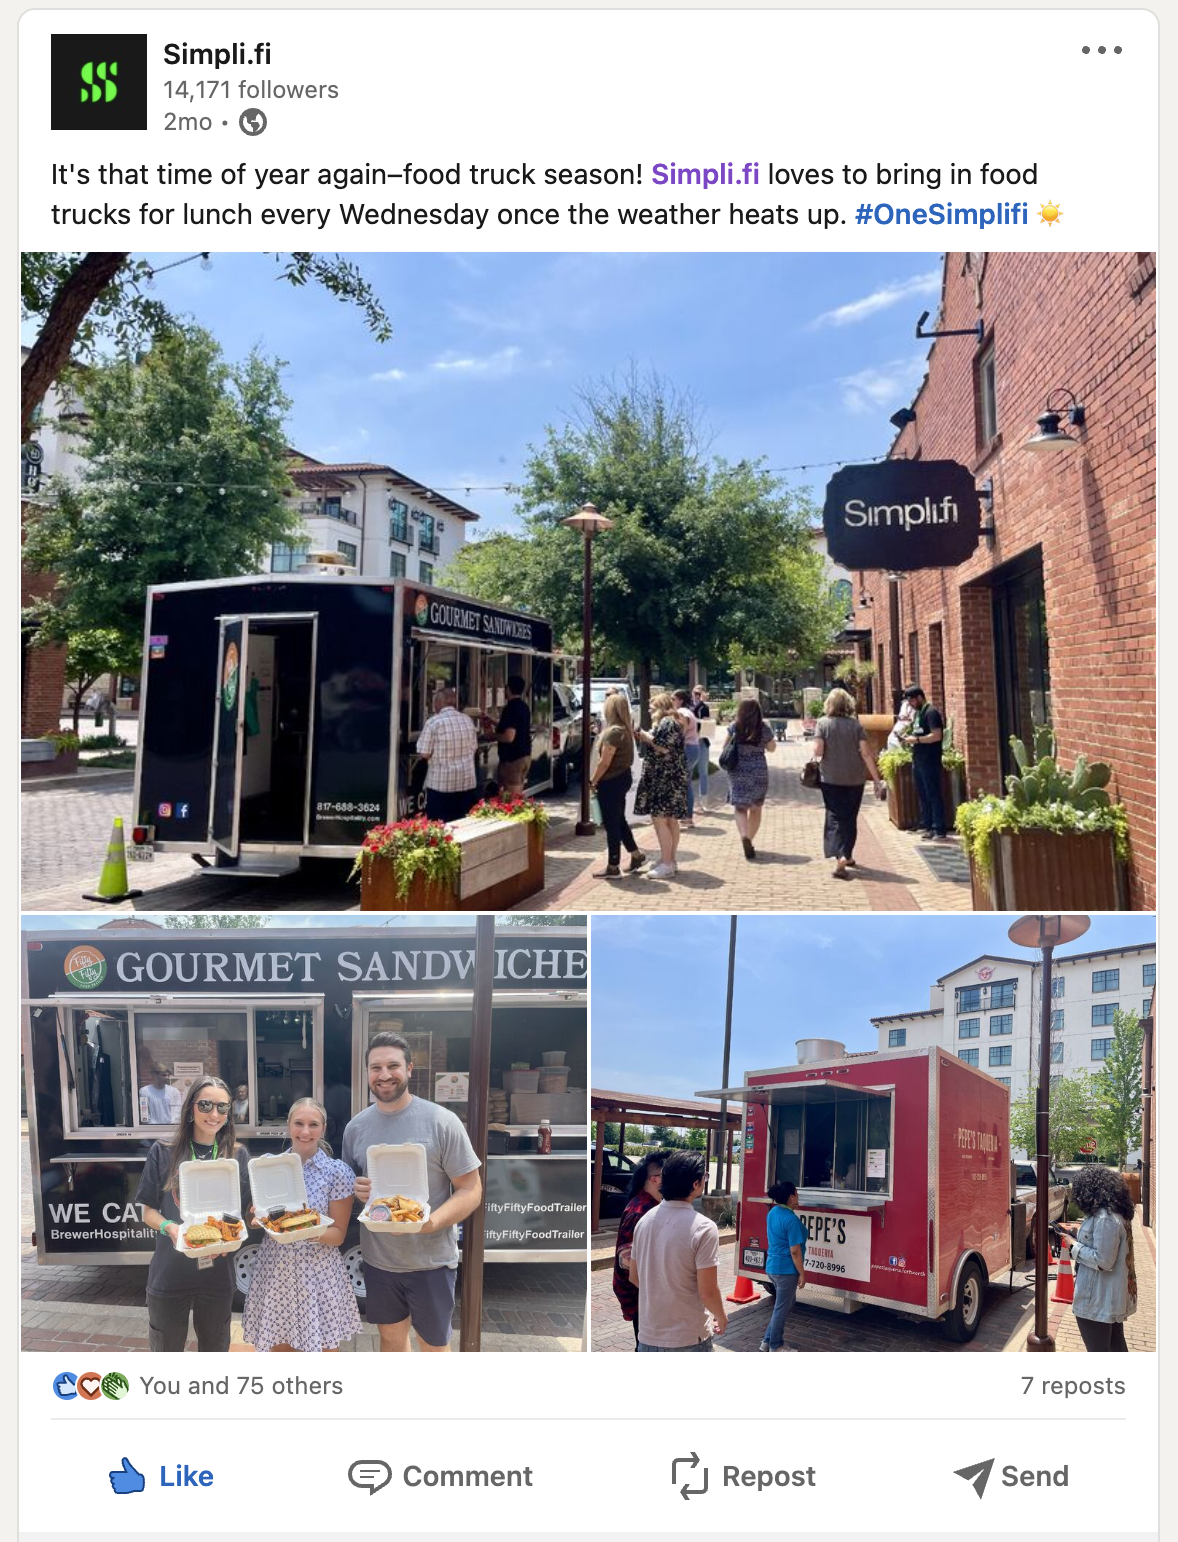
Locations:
692 1462
978 1475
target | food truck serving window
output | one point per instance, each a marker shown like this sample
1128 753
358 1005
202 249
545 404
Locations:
128 1068
833 1138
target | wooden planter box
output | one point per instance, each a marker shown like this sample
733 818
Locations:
502 863
38 758
904 805
1036 870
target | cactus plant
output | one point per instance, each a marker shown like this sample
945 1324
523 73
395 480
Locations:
1043 782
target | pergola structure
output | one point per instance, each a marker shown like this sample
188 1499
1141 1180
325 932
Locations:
638 1108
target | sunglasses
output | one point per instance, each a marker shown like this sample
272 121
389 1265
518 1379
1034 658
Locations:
207 1106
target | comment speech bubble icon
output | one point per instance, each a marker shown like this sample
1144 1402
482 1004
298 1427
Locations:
369 1474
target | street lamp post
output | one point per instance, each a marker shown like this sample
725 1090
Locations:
588 521
722 1138
1045 933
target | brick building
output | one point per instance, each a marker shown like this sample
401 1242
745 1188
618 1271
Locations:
1053 617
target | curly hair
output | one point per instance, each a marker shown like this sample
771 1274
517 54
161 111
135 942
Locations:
1100 1188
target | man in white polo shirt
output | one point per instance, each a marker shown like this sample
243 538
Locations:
675 1263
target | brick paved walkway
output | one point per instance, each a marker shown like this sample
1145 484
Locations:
64 831
534 1307
1008 1319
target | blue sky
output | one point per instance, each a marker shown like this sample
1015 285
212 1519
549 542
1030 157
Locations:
795 357
659 985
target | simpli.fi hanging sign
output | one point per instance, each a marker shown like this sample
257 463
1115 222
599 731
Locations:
901 515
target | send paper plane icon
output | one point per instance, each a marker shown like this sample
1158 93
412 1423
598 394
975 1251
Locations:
978 1475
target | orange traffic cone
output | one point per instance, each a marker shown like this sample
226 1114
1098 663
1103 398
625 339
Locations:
744 1290
1065 1280
112 882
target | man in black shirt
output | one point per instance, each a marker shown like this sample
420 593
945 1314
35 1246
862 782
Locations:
925 733
514 733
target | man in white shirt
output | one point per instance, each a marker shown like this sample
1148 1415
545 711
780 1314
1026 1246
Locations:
675 1263
159 1101
449 741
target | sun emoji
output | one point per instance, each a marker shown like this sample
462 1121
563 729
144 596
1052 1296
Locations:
1049 213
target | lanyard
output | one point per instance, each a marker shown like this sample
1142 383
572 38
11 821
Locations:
195 1158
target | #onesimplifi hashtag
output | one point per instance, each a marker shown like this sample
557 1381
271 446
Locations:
863 214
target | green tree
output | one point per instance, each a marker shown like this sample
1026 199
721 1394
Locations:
697 1140
233 920
90 655
662 1135
1070 1112
185 476
702 555
85 301
1117 1089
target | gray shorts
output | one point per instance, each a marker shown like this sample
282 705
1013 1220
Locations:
425 1296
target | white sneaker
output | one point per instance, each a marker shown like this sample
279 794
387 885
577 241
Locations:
663 870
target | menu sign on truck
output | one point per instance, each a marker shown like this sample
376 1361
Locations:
837 1244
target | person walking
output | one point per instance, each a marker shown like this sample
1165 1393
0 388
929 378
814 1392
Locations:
845 762
646 1190
177 1284
691 747
300 1297
785 1263
924 734
611 780
409 1278
675 1264
514 735
1106 1275
662 792
449 742
703 713
748 780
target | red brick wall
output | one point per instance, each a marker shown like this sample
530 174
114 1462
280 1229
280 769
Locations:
1084 321
42 674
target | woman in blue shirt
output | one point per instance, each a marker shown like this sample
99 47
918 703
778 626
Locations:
785 1264
1106 1279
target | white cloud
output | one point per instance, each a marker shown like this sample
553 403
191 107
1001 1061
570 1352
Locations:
504 361
880 300
390 374
887 385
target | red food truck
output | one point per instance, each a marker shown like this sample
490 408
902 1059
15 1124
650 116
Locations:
902 1164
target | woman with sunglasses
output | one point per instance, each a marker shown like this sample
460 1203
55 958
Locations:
300 1296
179 1286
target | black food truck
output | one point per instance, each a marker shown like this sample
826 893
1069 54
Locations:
284 1014
279 714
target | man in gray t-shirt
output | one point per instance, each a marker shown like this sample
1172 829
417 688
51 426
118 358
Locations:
410 1279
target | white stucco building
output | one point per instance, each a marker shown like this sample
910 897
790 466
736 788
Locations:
988 1012
381 522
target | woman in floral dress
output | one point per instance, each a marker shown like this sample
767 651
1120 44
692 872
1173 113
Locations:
300 1297
748 781
662 792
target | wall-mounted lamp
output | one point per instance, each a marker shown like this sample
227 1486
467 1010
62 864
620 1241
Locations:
986 499
1048 435
902 418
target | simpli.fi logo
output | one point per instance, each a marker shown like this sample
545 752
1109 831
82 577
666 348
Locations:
98 80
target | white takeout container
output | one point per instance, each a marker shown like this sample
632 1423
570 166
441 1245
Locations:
397 1170
204 1189
279 1180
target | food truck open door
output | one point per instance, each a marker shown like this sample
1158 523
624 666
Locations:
229 736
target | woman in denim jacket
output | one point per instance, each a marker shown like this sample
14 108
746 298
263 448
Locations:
1106 1280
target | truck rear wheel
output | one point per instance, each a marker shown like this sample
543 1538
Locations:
964 1316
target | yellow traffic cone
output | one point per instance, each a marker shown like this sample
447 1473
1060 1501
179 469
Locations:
112 885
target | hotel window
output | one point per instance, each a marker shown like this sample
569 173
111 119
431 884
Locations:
1057 1052
1145 1006
970 1056
1057 985
1100 1048
1003 1024
427 572
396 564
1102 1016
1149 974
347 550
1057 1021
399 522
897 1038
1002 1054
1005 1080
986 394
1106 980
427 537
285 559
969 1028
969 999
1002 994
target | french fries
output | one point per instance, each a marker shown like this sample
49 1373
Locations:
402 1208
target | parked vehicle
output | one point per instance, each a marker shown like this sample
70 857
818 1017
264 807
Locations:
600 689
616 1173
566 734
1059 1192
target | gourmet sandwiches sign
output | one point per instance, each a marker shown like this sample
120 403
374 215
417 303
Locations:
901 515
